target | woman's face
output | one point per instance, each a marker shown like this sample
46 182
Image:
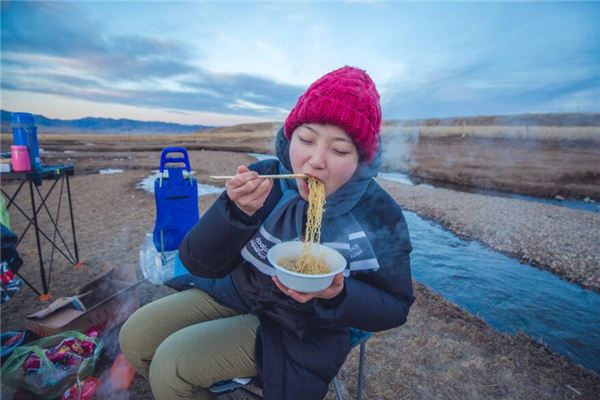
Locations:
325 152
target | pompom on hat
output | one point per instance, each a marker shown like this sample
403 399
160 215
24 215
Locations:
346 97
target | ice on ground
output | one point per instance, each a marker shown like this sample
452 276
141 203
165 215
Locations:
147 184
205 190
396 177
105 171
402 178
261 157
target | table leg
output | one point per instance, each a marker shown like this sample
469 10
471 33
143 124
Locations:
72 222
44 296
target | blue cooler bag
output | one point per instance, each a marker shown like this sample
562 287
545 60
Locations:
176 200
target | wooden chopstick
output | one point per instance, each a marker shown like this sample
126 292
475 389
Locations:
284 176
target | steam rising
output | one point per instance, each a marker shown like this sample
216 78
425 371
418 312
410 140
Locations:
398 140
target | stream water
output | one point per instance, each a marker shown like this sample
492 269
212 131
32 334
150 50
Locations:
510 296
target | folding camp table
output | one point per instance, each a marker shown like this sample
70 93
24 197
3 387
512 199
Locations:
34 179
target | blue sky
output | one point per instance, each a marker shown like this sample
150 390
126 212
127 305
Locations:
226 63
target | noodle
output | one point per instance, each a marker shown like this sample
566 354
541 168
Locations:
307 264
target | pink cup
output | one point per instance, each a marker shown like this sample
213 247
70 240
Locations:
19 158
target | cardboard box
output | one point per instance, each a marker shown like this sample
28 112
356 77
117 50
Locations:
105 303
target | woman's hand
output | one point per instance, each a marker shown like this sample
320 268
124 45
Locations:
247 190
333 290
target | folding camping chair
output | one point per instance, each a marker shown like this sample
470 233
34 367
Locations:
176 201
357 337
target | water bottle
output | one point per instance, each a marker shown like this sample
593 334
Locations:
25 134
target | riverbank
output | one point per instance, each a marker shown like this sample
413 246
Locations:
441 352
560 168
561 240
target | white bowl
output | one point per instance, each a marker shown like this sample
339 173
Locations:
305 283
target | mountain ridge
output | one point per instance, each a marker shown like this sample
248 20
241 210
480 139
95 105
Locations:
98 125
124 126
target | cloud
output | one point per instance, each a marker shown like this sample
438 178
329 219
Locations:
494 83
256 60
248 87
49 28
486 88
232 94
248 105
61 31
67 54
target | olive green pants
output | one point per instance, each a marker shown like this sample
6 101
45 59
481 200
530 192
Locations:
185 342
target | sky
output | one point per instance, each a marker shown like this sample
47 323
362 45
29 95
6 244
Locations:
224 63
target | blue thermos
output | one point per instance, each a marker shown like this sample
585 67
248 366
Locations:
25 134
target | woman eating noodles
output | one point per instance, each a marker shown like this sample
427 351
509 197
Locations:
239 320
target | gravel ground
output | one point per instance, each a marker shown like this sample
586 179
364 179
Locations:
562 240
440 353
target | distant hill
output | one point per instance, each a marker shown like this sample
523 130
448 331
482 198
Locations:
103 126
129 126
250 127
541 119
522 120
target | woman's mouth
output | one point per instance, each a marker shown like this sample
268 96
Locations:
303 185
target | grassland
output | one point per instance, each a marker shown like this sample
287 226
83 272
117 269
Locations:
442 352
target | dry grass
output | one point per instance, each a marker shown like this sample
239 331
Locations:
441 353
550 133
269 129
246 128
102 138
586 133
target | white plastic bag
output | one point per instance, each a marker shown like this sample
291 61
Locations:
156 267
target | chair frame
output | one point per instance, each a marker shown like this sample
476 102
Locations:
224 387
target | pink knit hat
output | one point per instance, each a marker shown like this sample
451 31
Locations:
346 97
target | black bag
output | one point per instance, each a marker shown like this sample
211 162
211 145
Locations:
9 249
